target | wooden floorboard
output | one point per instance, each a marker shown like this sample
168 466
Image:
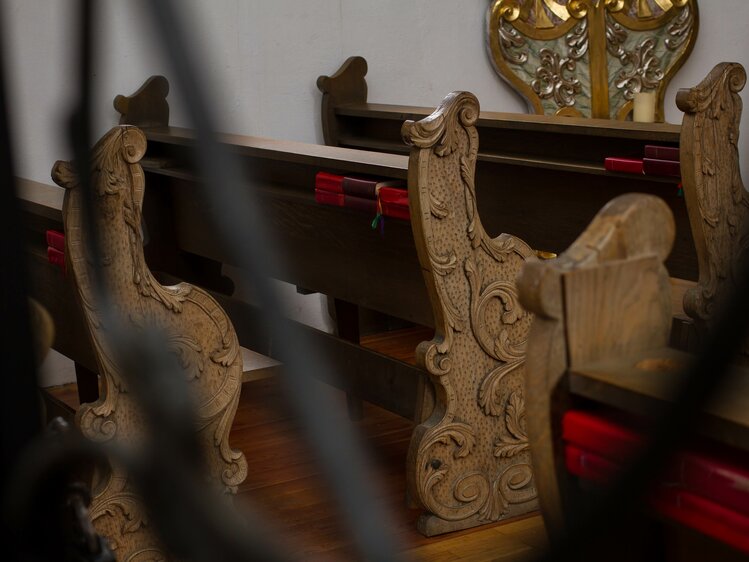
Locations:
285 485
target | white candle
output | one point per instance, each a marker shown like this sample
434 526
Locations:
644 107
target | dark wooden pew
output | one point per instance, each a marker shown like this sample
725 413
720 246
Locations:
532 170
375 377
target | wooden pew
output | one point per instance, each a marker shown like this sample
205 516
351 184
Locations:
330 250
379 379
599 344
468 461
600 336
335 252
532 169
195 328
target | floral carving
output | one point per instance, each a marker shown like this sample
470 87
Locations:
680 29
555 78
490 391
616 36
476 359
577 40
197 330
510 41
713 189
516 440
641 70
551 51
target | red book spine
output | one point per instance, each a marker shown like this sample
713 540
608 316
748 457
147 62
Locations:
56 257
628 165
589 466
56 240
360 187
329 182
329 198
698 513
394 202
605 437
360 204
713 475
395 211
690 509
662 152
726 483
655 167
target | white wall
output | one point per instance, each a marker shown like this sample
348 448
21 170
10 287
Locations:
266 54
264 57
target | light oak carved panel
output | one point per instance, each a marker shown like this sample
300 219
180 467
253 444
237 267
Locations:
717 202
199 334
468 462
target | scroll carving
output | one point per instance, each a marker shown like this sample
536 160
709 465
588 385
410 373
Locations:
717 202
589 57
198 331
469 462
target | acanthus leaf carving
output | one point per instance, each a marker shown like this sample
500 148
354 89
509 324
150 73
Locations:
492 388
680 29
516 440
555 78
456 474
512 42
195 328
716 199
641 69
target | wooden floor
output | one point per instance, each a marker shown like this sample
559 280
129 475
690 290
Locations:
285 485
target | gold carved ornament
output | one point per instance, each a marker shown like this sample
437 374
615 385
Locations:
588 58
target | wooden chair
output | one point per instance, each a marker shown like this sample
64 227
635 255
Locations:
589 59
468 461
199 334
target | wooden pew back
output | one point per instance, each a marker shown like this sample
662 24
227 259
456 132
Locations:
601 323
468 461
717 202
197 332
532 170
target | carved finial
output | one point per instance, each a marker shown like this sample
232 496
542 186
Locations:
726 79
458 109
717 203
346 86
147 107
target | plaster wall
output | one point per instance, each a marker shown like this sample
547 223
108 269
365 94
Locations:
262 58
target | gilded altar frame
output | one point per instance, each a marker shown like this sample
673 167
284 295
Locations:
588 58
